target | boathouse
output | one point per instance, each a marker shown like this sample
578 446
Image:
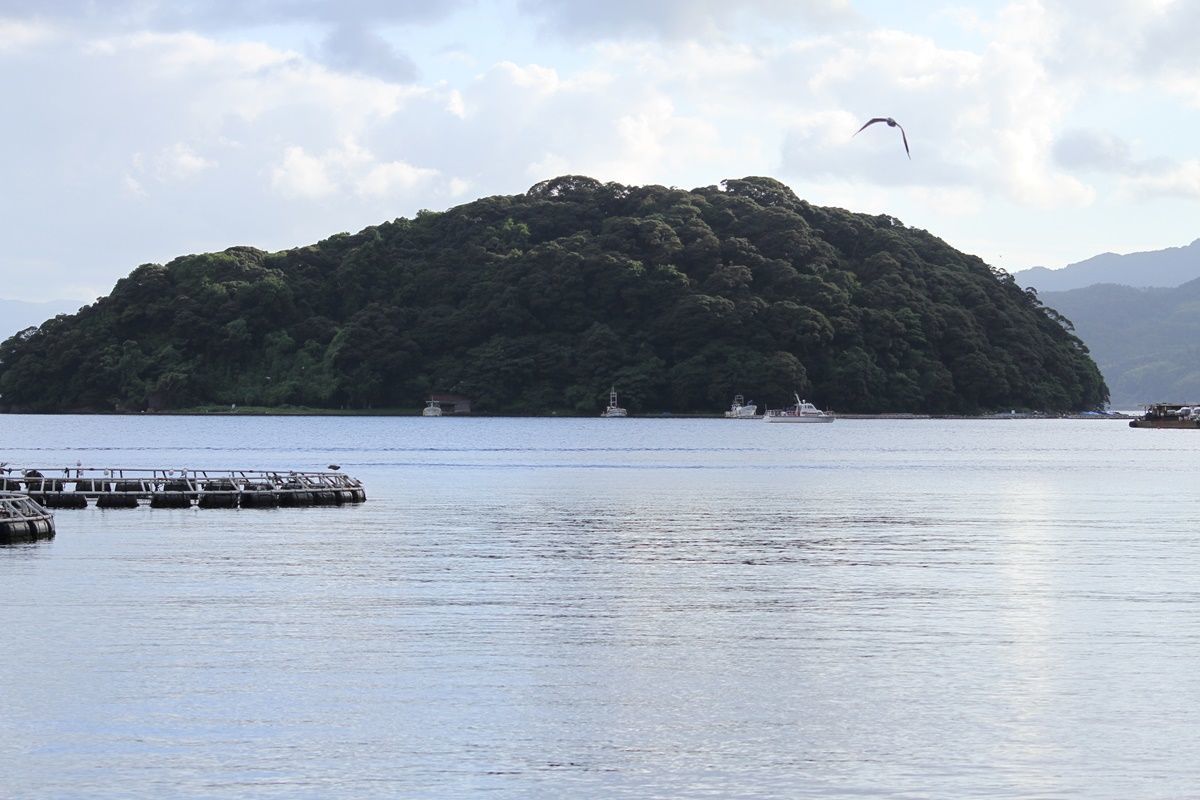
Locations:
452 403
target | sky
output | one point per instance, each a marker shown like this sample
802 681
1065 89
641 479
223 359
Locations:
1042 133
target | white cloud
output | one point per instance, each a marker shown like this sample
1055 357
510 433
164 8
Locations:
132 186
455 104
347 169
393 177
179 162
951 202
350 40
17 35
679 19
1180 180
279 144
548 166
1092 149
300 175
979 121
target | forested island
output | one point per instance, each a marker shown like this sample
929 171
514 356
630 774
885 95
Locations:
539 302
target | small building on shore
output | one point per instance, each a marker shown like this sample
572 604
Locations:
452 403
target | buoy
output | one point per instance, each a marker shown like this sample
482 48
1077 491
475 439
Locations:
91 488
295 499
170 500
63 500
14 530
218 500
324 498
259 498
180 486
110 500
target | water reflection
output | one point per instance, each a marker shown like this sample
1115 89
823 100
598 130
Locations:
574 609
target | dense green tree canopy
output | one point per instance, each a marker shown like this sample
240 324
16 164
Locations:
540 302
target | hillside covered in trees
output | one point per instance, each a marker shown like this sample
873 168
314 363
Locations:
539 302
1145 341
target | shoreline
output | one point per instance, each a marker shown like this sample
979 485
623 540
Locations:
307 412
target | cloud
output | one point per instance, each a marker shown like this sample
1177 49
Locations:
394 177
132 186
243 139
301 175
346 169
1128 45
235 142
1178 180
1090 149
179 162
455 104
983 121
224 15
677 19
529 121
17 35
357 49
1138 178
352 40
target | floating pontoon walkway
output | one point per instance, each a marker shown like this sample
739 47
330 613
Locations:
23 520
73 487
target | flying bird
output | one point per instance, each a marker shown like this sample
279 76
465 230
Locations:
891 124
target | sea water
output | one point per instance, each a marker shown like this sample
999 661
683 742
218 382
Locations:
586 608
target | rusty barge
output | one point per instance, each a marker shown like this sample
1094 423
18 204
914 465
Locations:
1168 415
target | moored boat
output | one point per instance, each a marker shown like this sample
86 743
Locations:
613 409
1168 415
741 409
433 408
803 411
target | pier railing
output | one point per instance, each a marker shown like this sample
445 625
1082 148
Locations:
119 487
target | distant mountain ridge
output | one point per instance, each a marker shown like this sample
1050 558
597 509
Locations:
1146 341
1173 266
17 315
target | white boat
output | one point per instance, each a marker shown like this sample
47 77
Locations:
433 408
741 410
803 411
613 409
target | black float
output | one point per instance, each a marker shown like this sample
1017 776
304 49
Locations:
23 520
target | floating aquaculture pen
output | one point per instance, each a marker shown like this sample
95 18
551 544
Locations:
73 487
23 520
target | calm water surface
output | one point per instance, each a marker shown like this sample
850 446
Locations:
615 608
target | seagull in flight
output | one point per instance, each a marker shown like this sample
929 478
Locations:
891 124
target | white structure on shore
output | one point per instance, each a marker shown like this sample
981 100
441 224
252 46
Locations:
613 409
